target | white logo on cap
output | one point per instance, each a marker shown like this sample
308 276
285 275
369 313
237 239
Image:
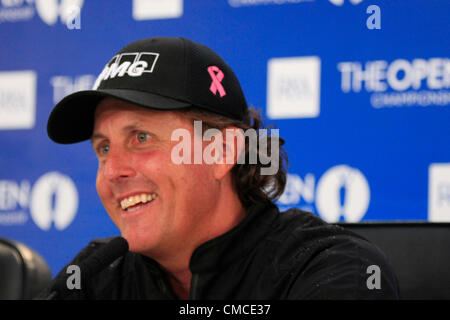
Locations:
134 64
57 188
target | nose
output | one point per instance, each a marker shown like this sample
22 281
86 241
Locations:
117 166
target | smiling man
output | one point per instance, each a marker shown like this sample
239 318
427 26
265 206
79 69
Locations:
164 210
200 229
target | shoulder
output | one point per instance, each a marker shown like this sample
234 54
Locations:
296 226
327 261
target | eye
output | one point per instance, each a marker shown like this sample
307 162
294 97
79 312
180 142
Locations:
103 149
142 136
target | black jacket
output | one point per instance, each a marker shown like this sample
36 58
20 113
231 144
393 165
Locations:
268 255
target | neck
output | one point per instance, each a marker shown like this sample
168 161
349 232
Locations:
177 270
227 213
181 284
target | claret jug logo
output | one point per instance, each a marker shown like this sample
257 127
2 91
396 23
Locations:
51 201
54 199
342 193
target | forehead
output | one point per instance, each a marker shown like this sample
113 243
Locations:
121 112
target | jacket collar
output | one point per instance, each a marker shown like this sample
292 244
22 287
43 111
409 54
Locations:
235 243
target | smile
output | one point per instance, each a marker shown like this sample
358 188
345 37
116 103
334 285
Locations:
132 201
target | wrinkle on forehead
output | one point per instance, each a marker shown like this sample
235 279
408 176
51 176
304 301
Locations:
136 117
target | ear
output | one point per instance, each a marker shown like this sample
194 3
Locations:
233 143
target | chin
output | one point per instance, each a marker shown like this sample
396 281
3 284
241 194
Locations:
137 244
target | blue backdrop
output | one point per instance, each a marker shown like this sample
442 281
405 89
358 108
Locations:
359 89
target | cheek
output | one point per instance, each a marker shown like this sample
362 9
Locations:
102 190
99 184
196 184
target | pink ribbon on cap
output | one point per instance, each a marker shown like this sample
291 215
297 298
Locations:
216 77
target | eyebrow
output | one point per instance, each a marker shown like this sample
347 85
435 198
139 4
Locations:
133 126
96 137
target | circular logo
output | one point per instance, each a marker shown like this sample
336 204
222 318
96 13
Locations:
50 10
342 191
54 198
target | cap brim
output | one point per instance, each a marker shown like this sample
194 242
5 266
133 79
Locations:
72 119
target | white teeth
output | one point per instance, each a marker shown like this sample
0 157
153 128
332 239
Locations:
133 200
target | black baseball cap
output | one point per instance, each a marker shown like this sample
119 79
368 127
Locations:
156 73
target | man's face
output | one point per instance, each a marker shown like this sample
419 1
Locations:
133 146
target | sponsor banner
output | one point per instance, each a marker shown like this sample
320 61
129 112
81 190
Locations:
17 99
13 11
342 193
341 2
439 192
293 87
359 91
246 3
399 83
157 9
65 85
52 201
49 11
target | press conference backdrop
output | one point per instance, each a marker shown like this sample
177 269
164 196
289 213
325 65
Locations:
359 89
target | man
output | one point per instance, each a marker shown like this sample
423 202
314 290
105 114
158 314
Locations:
195 207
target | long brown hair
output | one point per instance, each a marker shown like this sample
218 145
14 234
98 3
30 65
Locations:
251 186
